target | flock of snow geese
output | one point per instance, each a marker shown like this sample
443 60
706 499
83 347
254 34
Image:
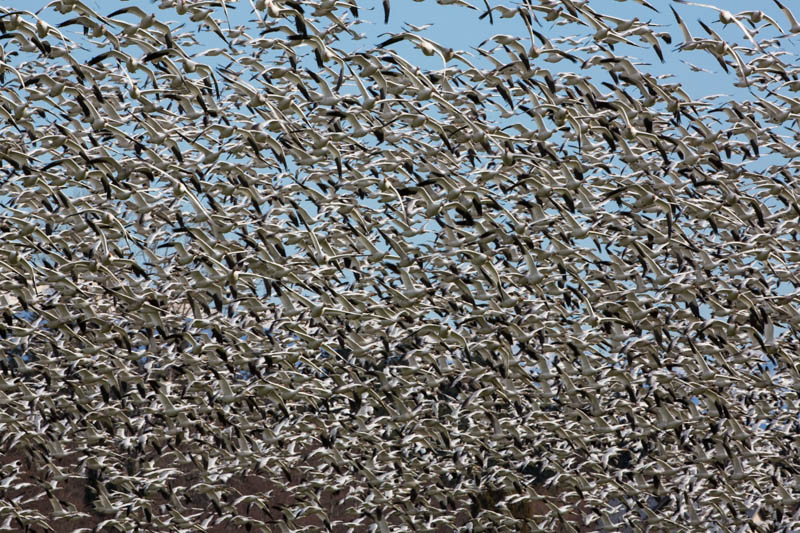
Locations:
261 271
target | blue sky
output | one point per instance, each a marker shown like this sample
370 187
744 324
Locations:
460 28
